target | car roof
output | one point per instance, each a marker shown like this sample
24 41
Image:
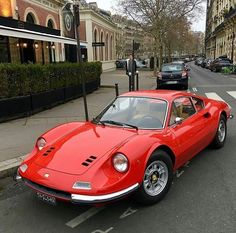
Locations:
159 94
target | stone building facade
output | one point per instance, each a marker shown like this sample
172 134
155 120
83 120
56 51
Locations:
221 29
99 33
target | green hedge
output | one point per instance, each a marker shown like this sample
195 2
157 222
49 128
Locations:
21 80
229 70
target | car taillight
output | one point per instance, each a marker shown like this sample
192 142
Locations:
159 75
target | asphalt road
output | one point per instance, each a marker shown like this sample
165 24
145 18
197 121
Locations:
202 198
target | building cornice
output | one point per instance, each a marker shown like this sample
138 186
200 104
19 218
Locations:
97 15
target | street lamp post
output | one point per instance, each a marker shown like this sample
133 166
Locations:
79 57
77 25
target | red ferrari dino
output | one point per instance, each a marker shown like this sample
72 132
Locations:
133 146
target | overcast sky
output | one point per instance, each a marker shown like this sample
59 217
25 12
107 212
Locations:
198 25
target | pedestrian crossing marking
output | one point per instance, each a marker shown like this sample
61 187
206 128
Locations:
213 95
232 93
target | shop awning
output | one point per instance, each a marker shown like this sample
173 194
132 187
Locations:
26 34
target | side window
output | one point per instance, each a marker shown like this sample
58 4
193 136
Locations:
173 115
181 107
198 103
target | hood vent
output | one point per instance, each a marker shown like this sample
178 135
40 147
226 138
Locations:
49 151
88 161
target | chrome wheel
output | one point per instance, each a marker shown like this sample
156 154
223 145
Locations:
155 178
221 131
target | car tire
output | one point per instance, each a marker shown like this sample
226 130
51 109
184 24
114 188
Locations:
221 133
155 185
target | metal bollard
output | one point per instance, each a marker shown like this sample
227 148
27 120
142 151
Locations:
117 89
130 81
137 80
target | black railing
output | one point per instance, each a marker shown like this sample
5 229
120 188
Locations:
13 23
231 13
219 27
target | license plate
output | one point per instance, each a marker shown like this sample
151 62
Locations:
45 198
172 82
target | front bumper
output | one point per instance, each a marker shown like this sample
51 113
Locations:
164 82
77 198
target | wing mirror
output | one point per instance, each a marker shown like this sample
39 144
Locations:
178 120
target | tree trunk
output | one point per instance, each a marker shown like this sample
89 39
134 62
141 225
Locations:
160 56
155 56
169 52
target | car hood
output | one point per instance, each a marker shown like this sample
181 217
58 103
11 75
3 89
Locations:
80 149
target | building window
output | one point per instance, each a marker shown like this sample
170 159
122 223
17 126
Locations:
101 46
30 18
106 47
111 47
95 48
4 50
50 24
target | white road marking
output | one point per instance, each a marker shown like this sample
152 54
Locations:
178 174
232 93
128 212
83 217
100 231
194 89
213 95
187 164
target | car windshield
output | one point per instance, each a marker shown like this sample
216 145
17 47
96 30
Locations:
172 68
134 112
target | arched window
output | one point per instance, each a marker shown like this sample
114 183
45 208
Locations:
101 54
95 48
106 47
30 18
111 48
50 24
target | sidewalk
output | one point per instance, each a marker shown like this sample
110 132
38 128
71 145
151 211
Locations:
18 137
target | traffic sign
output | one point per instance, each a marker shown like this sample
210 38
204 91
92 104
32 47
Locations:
94 44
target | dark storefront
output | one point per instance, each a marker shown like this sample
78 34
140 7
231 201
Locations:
4 50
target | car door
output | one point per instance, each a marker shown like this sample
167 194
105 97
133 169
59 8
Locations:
190 131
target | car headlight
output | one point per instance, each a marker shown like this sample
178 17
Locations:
120 162
23 168
41 143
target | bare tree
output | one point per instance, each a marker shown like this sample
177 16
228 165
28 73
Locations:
156 17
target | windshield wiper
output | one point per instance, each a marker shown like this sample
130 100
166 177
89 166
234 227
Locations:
119 123
96 121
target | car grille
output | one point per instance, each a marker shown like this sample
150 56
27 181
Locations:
52 192
48 151
88 161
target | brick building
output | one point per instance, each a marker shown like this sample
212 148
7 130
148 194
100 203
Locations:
31 32
42 31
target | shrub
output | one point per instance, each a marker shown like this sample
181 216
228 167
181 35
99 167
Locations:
18 80
227 70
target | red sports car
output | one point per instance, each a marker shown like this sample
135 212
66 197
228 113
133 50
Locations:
133 146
